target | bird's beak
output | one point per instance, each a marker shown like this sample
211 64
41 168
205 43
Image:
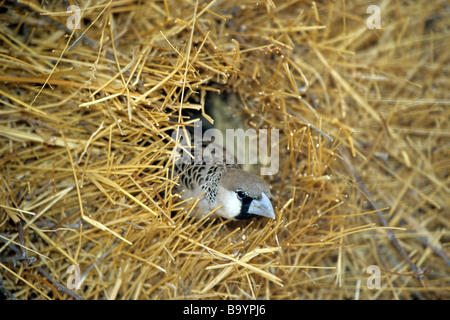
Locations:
262 207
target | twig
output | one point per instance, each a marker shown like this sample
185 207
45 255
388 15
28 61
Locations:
59 286
5 292
418 273
85 273
4 237
436 250
85 39
18 258
323 134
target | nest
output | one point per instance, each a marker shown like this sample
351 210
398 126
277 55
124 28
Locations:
90 93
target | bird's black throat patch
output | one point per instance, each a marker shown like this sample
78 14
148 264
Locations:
246 201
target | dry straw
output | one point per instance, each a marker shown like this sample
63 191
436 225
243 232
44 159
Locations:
85 152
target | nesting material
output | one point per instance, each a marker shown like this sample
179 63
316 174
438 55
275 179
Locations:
87 203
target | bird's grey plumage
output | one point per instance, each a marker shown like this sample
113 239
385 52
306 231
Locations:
234 193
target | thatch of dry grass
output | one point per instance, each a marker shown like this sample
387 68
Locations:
85 154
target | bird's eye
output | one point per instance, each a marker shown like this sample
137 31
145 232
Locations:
241 194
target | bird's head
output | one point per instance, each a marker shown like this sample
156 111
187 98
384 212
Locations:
244 195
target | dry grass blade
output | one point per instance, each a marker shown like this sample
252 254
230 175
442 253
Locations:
86 117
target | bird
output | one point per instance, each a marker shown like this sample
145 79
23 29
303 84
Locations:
221 187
